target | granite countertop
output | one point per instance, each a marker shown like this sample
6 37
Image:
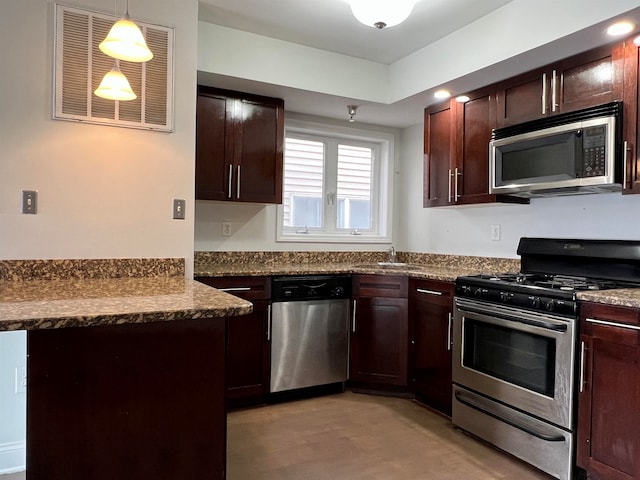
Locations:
625 297
428 272
59 303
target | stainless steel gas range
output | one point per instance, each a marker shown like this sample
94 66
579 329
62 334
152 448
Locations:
515 365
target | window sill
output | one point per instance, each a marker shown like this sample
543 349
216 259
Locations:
319 238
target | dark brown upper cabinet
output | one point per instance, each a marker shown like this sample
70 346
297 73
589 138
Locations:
588 79
239 146
631 135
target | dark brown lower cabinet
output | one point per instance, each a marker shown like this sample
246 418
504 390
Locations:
248 344
608 432
143 401
379 332
430 316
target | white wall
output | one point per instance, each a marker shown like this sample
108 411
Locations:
466 230
104 192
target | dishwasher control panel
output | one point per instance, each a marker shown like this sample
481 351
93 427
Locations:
310 287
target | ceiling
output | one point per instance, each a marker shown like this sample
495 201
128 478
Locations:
329 25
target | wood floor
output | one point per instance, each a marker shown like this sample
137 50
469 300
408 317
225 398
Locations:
355 437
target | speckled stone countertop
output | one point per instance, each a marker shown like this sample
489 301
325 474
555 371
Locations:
425 266
624 297
40 294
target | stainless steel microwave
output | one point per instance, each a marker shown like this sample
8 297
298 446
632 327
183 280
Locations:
577 152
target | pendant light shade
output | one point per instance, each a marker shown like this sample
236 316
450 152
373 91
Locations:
115 86
125 42
381 13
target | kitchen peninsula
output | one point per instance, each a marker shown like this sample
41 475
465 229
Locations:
125 368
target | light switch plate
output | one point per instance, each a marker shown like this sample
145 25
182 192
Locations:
30 201
179 206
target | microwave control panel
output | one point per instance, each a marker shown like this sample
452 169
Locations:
593 151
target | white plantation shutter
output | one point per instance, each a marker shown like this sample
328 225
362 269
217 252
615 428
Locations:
80 66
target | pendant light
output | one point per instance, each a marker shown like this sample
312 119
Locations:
381 13
125 41
115 86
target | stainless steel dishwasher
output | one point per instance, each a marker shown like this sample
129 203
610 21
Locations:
309 331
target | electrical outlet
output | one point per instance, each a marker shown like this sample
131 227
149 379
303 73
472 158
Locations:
179 206
21 380
226 229
29 201
495 233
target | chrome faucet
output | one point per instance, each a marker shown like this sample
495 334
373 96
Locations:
392 255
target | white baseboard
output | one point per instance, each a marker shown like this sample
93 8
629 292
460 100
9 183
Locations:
12 457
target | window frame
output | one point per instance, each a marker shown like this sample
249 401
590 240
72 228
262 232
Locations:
381 187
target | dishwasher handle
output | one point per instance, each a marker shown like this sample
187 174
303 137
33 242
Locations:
353 317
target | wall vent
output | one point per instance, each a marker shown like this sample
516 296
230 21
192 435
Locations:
80 66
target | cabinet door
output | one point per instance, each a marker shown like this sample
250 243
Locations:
521 98
589 79
430 309
214 147
631 117
608 418
259 151
379 340
475 120
248 354
439 148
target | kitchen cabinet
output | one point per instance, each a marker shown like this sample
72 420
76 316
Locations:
430 318
456 151
248 343
609 392
588 79
631 115
379 332
239 146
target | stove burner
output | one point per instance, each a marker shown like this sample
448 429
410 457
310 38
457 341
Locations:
553 282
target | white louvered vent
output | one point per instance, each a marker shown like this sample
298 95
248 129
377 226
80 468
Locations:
80 66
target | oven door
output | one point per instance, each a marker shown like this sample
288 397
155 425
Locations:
521 358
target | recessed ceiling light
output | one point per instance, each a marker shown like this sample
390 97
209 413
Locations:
620 28
442 94
462 98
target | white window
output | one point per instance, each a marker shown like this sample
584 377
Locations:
337 185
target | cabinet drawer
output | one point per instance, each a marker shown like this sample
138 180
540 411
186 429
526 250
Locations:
249 288
431 291
380 286
612 323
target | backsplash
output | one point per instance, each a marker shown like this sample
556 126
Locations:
204 261
17 270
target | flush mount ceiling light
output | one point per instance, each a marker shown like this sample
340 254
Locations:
115 86
351 111
620 28
381 13
125 41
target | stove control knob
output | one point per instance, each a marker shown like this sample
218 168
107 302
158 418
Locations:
337 291
535 302
506 297
550 305
479 292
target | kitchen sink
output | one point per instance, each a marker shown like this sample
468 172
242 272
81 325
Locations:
390 266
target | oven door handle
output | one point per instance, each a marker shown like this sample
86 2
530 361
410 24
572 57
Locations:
469 402
556 327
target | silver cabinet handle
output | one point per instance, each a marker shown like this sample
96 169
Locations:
230 178
268 323
450 318
457 176
625 155
583 351
238 183
544 94
613 324
450 175
554 97
353 318
235 289
428 292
